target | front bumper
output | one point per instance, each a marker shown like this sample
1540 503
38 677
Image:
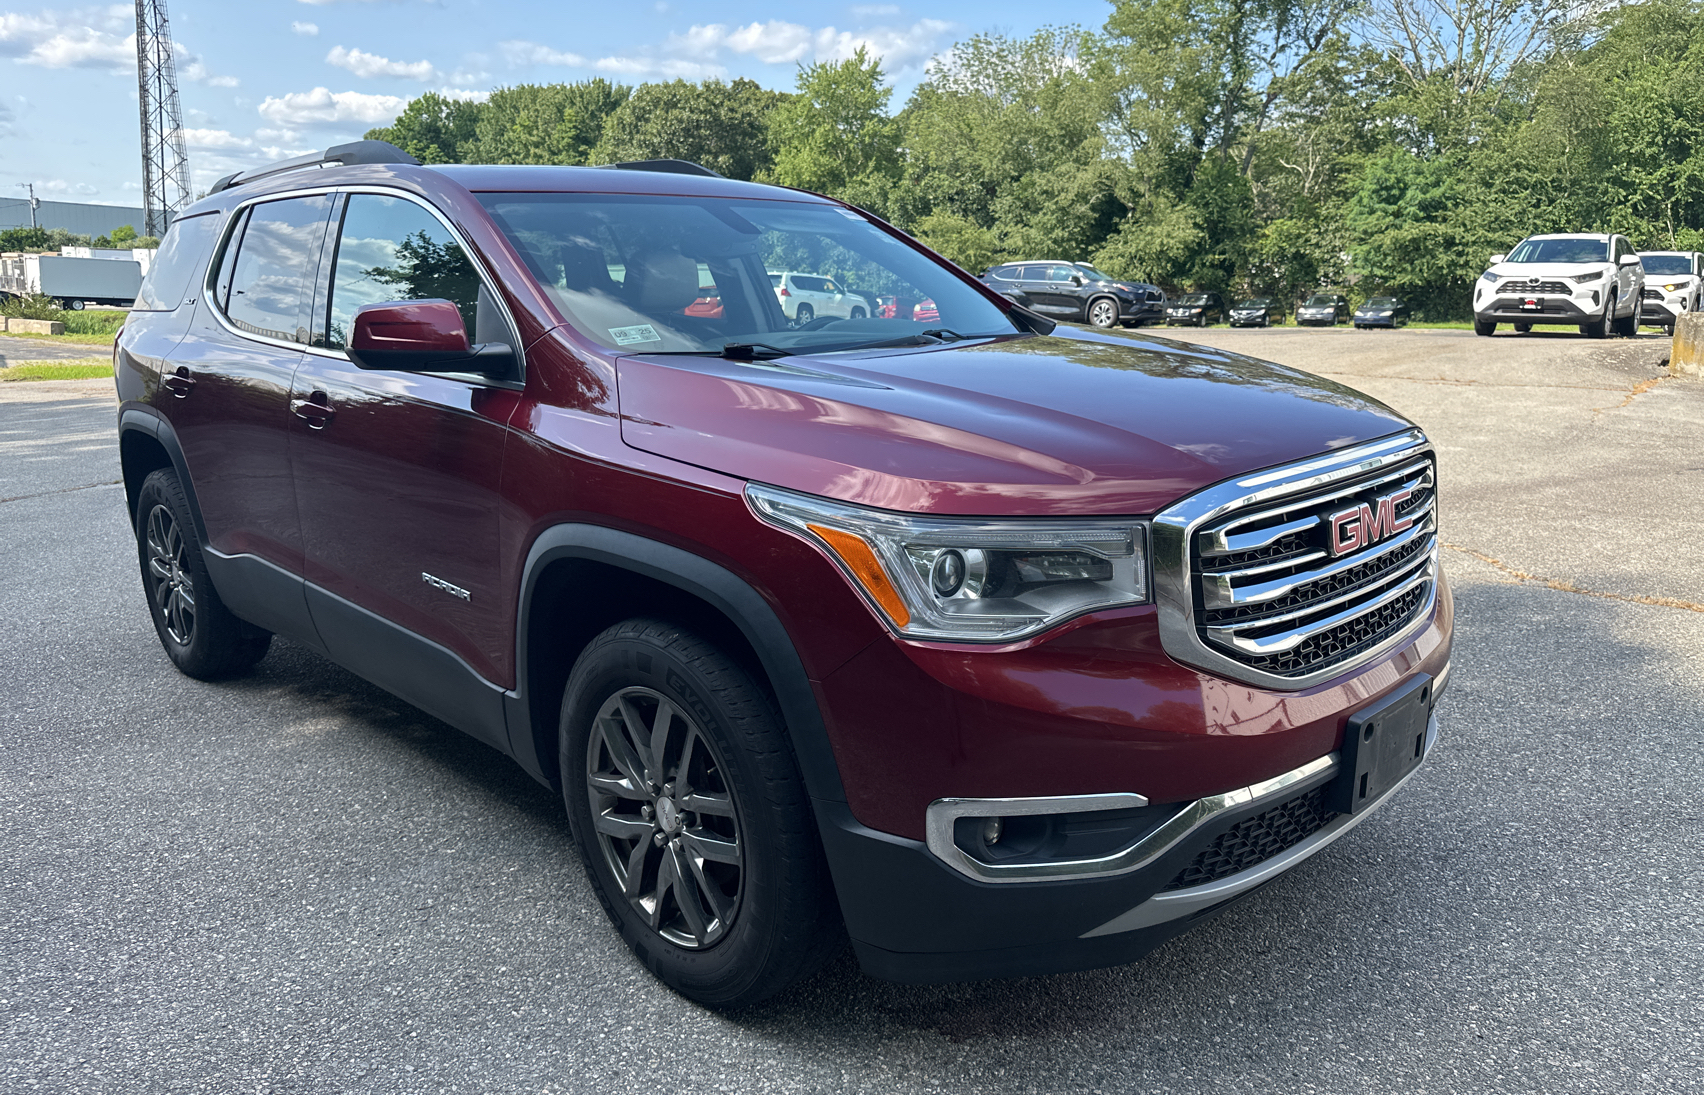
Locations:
1304 319
1569 311
1141 311
1375 321
1663 313
1258 319
913 918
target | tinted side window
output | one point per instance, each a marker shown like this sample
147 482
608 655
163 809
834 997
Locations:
1059 273
276 260
176 263
392 249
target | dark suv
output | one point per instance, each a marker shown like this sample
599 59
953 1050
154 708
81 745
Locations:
996 647
1078 293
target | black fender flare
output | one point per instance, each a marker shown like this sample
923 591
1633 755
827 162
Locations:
717 586
143 419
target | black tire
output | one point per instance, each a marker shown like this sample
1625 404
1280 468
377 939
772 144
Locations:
781 922
1486 327
1629 327
1599 328
857 313
77 305
1101 312
803 314
199 634
1523 328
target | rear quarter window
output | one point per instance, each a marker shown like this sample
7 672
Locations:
182 255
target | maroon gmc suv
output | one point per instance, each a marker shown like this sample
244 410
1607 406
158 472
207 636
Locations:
998 647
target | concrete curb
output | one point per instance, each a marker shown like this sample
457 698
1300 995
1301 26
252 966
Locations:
1686 358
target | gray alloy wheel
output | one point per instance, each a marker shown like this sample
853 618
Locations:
169 585
1103 312
857 313
803 314
664 817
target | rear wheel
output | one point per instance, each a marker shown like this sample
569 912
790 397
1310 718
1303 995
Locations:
1103 312
803 315
858 313
691 817
199 634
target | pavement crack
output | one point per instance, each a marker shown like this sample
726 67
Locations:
62 490
1564 586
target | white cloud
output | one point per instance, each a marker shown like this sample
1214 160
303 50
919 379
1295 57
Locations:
870 11
671 68
94 38
370 65
321 107
223 81
520 53
306 30
214 138
777 42
464 94
60 186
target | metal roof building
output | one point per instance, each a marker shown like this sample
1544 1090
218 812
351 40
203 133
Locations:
79 217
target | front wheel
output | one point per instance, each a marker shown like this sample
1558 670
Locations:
1523 328
1103 313
1486 327
691 817
199 634
803 315
857 313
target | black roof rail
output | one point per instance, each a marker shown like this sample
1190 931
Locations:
673 167
355 152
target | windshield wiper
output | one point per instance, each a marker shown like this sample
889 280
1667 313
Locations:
945 335
754 351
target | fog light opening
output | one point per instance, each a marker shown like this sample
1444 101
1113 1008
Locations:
992 828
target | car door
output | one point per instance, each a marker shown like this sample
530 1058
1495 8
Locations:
1032 280
397 474
227 395
1626 277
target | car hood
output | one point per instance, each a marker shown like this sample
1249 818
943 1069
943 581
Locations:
1551 271
1077 422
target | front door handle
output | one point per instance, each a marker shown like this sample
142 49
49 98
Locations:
180 383
315 410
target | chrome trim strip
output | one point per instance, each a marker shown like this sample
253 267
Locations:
1174 904
1423 478
942 813
1172 529
1218 592
1228 632
1223 542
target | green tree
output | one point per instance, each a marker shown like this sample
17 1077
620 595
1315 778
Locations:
835 134
719 125
432 128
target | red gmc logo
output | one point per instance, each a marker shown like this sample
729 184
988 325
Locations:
1365 525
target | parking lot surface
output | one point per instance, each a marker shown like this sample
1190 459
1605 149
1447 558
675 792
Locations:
293 883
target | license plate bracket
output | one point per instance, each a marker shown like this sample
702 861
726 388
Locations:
1532 305
1381 745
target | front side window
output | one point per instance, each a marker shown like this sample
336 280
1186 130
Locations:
392 249
270 282
625 270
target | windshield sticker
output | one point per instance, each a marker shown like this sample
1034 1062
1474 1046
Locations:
627 336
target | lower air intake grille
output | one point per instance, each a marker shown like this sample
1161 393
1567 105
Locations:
1254 840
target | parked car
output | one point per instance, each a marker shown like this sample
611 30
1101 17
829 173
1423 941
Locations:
1257 312
1594 282
1383 312
1077 292
1322 310
806 297
996 647
922 311
1673 282
1196 309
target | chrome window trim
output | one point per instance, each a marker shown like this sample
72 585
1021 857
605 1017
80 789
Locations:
1171 905
942 813
1174 527
211 274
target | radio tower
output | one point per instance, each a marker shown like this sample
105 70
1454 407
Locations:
165 169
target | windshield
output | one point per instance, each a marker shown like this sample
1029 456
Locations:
1380 302
1195 298
1666 264
1257 302
651 274
1320 302
1563 250
1092 273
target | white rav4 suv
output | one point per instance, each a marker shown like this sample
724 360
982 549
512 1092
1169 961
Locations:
1594 282
1673 282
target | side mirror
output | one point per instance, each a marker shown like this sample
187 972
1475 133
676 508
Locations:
422 336
1629 260
1495 259
1076 279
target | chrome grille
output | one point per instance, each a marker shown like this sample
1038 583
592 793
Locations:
1250 585
1511 286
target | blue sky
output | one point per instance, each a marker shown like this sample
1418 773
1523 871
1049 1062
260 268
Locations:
262 80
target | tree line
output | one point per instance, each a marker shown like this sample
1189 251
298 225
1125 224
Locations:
1237 146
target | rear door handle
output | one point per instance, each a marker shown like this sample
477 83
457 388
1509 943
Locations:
314 410
180 383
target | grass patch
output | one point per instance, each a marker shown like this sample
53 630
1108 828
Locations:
91 327
87 368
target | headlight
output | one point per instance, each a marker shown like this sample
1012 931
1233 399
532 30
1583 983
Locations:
1583 278
1386 313
1673 285
1489 276
970 579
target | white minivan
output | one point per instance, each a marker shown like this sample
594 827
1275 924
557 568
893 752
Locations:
1593 281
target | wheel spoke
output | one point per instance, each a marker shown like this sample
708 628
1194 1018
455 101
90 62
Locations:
661 727
635 870
639 742
686 897
713 895
623 828
158 566
708 845
622 787
668 879
704 802
621 750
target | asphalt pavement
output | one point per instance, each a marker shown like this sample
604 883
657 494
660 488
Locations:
292 883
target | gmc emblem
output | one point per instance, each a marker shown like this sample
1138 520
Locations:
1365 525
